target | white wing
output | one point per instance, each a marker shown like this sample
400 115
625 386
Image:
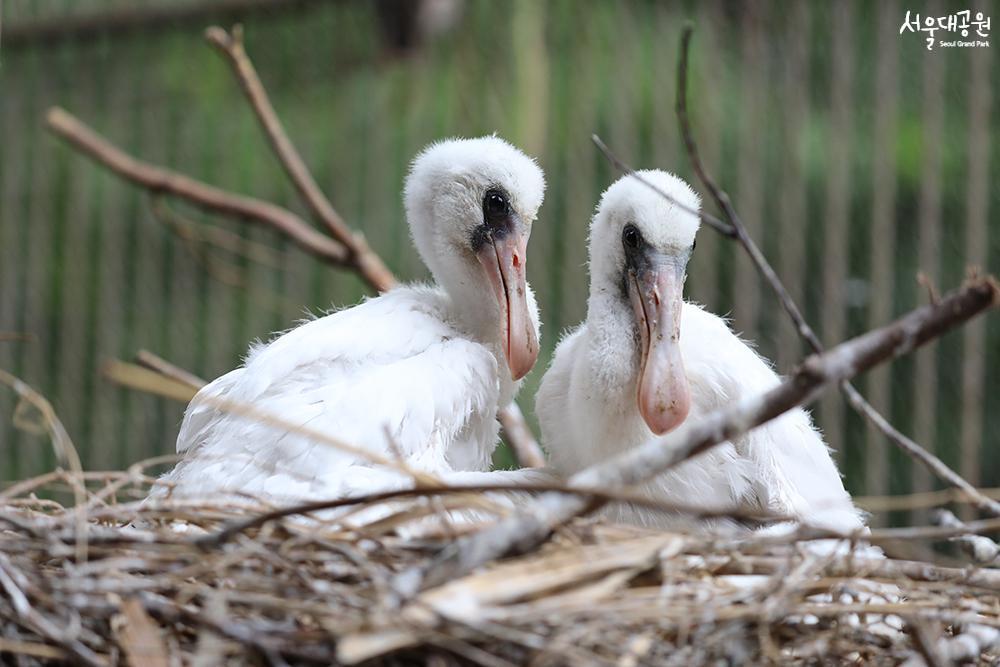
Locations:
782 467
390 367
791 470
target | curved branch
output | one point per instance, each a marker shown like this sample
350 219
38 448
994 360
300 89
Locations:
715 223
204 196
368 264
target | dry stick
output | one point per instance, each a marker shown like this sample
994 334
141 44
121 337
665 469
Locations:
361 258
14 336
202 236
163 367
14 583
715 223
204 196
151 381
857 401
518 434
148 380
527 529
64 449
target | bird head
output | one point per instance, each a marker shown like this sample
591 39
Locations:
470 205
640 244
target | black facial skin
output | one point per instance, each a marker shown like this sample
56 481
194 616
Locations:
637 255
499 219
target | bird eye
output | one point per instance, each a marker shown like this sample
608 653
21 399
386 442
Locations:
495 204
631 237
694 244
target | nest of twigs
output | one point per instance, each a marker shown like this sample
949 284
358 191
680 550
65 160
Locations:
119 582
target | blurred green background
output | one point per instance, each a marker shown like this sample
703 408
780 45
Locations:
857 157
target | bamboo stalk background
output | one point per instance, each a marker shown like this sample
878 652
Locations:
976 246
885 93
833 320
925 385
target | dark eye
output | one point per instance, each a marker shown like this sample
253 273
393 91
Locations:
694 244
495 204
631 237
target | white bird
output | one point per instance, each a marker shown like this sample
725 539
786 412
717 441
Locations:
419 372
645 360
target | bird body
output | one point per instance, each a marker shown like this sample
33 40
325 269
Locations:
587 410
395 375
597 399
416 374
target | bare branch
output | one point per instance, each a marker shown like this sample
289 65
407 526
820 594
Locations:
61 443
526 530
723 228
854 397
520 438
13 584
163 367
204 196
368 264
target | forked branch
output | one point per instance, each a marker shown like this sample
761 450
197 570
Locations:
209 198
368 264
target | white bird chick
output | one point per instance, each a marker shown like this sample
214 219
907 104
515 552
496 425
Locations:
470 205
644 361
419 372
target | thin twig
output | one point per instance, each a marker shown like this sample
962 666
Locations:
64 449
164 367
715 223
147 379
527 452
204 196
212 236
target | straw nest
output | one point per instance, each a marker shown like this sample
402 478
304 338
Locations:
108 580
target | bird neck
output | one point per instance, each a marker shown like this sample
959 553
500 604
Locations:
474 311
613 352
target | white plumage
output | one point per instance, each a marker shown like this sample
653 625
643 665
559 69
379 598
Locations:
623 374
418 372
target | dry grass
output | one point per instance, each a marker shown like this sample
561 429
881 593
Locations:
293 592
